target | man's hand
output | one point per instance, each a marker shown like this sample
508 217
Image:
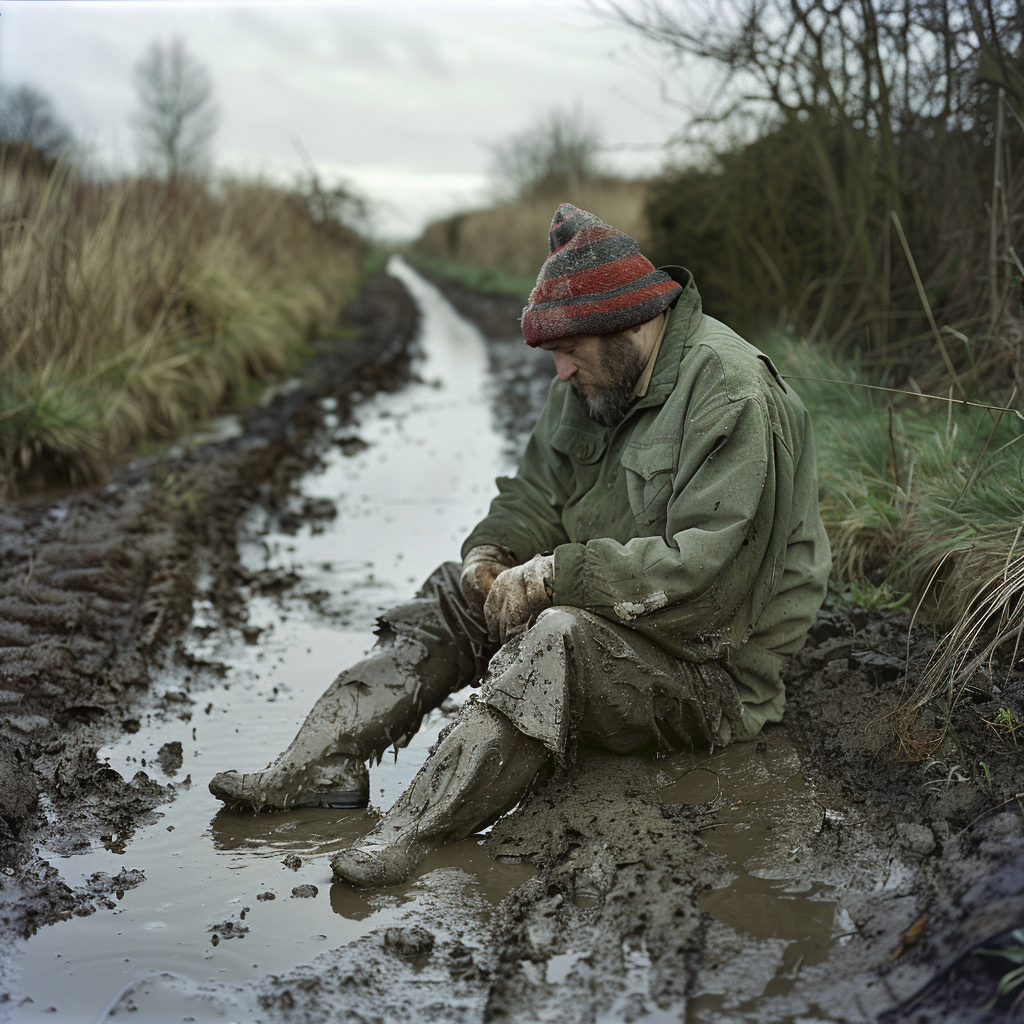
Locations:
480 569
517 596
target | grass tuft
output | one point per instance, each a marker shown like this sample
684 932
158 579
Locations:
923 499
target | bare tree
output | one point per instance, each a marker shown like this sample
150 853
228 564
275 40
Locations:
558 152
27 118
177 116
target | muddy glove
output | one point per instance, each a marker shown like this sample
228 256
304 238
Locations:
517 596
480 568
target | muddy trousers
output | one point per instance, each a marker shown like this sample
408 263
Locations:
570 677
573 676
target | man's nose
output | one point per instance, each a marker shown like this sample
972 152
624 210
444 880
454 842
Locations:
564 366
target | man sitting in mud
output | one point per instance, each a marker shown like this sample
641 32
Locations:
637 586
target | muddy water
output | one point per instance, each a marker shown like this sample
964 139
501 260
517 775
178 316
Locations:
408 480
766 814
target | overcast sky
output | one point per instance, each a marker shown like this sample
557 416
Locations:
402 97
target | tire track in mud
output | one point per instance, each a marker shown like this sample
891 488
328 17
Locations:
95 585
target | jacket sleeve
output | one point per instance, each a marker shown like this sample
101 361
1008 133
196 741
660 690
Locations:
711 572
526 516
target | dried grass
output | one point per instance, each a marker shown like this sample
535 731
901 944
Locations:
129 309
993 616
513 237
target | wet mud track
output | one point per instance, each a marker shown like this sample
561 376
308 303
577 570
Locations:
803 877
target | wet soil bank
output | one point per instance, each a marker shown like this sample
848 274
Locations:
803 877
96 585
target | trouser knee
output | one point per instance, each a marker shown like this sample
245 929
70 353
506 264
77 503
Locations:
560 622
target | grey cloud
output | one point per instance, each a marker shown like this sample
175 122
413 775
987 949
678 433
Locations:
384 46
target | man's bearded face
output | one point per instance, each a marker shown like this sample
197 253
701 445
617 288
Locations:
603 370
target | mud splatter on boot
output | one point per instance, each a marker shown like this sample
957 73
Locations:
339 782
480 768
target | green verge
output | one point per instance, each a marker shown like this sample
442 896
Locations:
908 483
923 500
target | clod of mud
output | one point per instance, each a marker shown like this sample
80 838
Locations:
414 941
170 758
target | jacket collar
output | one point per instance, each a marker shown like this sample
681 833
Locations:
684 319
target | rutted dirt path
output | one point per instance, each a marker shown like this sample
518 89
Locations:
781 880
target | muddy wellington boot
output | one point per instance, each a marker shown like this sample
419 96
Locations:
369 707
480 768
339 781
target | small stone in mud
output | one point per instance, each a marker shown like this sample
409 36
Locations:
128 878
131 725
304 892
884 667
264 896
836 669
170 757
319 508
918 839
414 941
293 861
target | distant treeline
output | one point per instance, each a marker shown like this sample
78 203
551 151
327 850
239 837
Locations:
861 182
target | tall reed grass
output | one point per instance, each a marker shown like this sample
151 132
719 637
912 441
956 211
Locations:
129 309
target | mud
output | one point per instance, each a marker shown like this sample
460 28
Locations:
804 877
95 587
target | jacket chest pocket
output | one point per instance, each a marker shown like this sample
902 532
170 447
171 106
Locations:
583 447
649 472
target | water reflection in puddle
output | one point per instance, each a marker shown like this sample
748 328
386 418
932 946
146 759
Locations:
218 900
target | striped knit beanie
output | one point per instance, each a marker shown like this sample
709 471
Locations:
594 282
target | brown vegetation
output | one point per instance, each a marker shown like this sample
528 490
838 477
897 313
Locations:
867 194
129 309
513 237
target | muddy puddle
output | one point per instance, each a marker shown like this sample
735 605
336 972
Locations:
765 816
229 898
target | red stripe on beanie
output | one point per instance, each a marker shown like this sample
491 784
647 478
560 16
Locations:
592 280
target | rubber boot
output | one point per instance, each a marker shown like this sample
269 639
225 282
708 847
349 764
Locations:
478 770
377 703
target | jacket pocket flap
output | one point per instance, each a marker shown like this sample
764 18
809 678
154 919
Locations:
650 460
581 446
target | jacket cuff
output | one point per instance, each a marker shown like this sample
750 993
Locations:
513 545
570 575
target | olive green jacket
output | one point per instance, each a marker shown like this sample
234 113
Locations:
693 521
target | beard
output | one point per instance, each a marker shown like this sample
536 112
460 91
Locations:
609 395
